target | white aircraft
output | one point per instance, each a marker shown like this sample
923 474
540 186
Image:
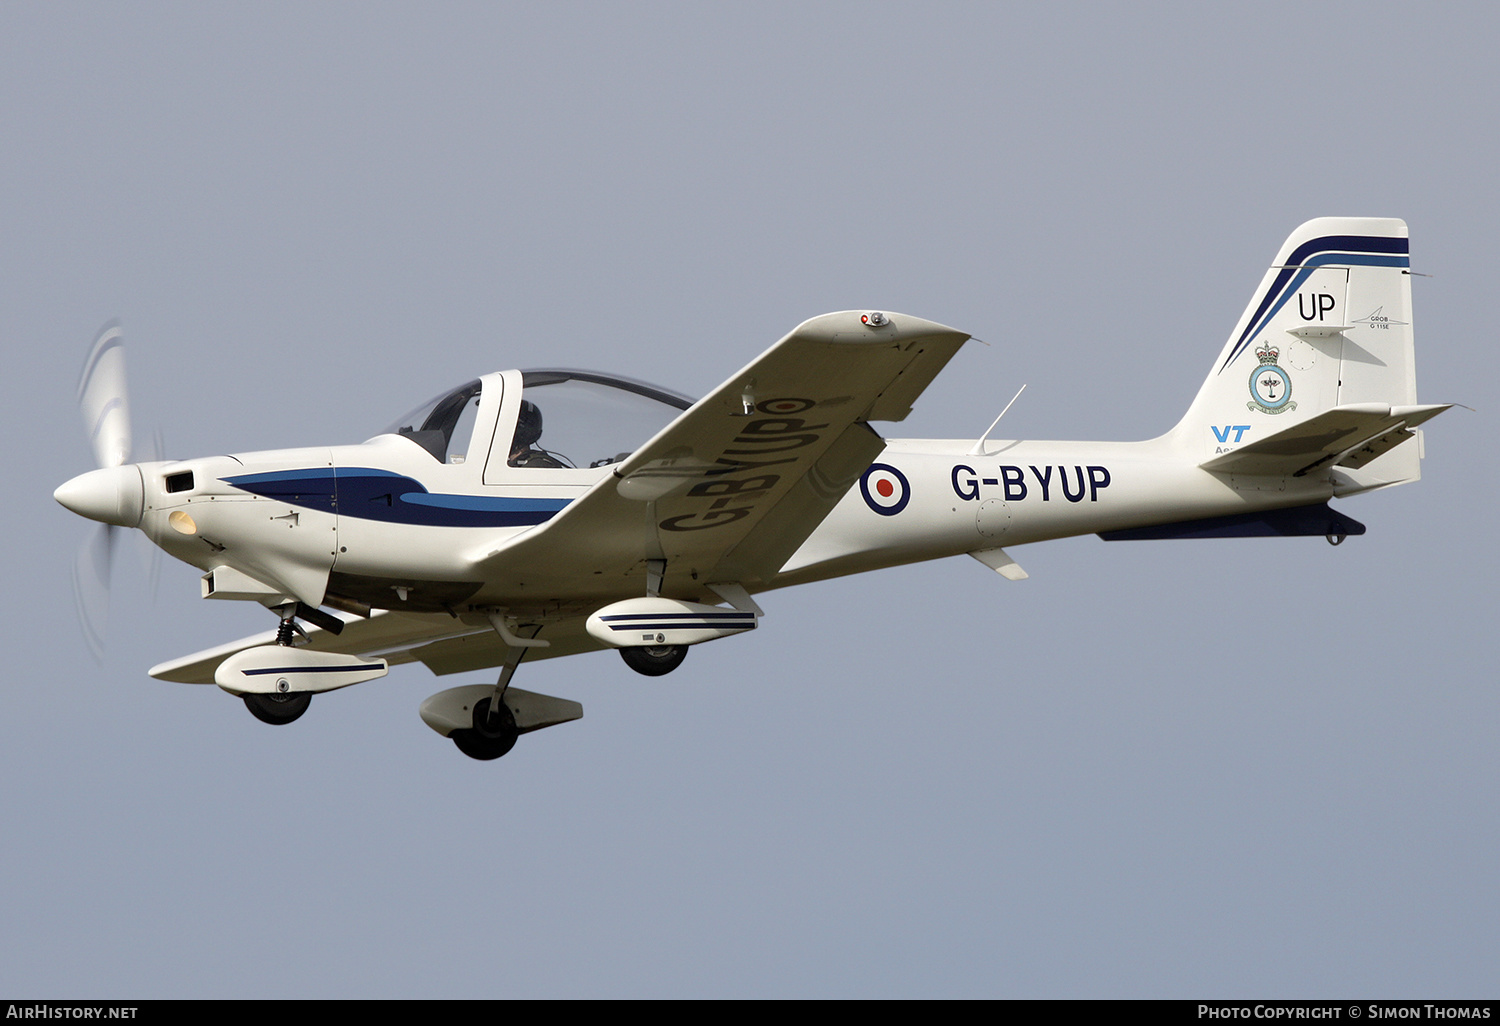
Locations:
475 532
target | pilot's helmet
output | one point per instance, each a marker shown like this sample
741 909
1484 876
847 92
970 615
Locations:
528 425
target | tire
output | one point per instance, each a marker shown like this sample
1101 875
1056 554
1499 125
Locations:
278 709
654 660
487 740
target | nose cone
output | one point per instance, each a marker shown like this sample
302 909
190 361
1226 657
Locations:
111 495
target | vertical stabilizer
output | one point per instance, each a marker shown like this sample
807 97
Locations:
1330 325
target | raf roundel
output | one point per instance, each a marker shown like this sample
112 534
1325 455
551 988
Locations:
785 405
885 489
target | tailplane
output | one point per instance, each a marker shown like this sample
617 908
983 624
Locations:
1320 370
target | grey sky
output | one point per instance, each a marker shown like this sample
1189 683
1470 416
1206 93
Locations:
1153 769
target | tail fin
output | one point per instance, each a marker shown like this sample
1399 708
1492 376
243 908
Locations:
1329 326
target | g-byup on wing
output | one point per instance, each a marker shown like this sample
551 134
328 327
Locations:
731 488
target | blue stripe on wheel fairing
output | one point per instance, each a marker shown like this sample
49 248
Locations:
311 669
675 616
680 626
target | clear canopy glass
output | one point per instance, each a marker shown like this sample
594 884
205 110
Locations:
568 419
575 419
442 424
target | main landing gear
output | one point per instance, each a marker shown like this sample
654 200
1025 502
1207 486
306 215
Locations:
278 709
654 660
283 707
494 731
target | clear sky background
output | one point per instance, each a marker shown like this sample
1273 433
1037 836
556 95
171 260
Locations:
1213 768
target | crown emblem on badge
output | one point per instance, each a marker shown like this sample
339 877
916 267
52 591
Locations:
1268 353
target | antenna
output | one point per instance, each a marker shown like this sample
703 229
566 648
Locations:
978 449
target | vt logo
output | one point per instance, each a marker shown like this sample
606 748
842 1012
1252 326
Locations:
1222 434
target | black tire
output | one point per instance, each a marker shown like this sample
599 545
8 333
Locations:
487 740
654 660
278 709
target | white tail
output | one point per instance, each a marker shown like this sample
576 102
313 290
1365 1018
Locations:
1329 326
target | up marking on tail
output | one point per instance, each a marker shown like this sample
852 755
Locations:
1365 250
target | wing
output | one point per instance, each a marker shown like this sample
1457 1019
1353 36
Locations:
730 489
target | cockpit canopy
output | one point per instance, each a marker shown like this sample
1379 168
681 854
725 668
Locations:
588 419
434 424
566 419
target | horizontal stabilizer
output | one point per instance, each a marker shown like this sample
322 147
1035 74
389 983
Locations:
1347 436
1299 521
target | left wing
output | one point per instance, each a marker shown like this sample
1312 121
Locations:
730 489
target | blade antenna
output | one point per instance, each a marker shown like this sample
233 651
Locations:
978 449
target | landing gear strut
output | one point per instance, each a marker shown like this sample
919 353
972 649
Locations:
282 707
494 732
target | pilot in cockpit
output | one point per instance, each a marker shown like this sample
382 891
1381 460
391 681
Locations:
523 449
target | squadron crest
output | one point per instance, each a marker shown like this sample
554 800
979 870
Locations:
1270 386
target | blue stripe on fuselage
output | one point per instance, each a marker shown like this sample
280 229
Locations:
381 495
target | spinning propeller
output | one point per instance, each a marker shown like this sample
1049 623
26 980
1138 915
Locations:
112 494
